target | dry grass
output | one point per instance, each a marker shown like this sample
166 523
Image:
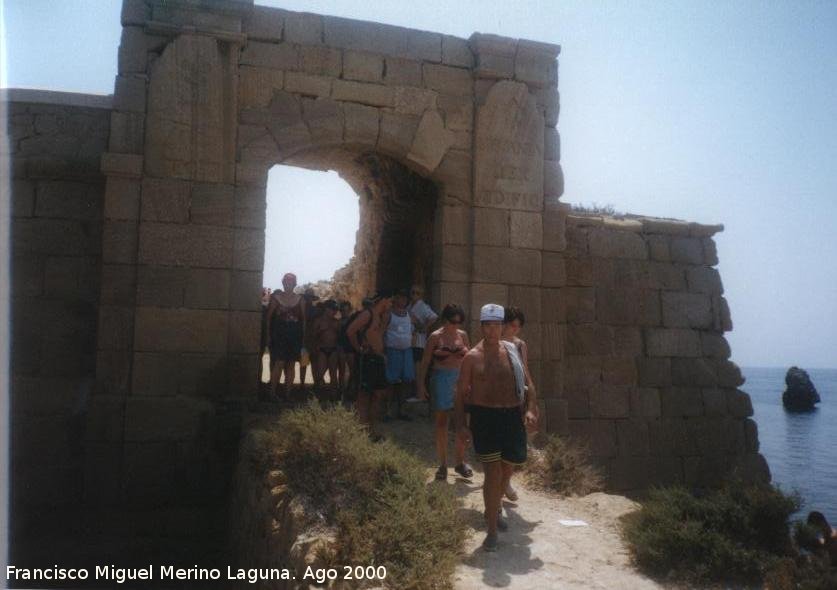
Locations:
564 467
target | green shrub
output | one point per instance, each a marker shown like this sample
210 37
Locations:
564 467
375 494
735 534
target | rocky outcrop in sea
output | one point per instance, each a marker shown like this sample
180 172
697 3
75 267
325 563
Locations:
800 394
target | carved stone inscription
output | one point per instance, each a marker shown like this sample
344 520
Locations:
509 150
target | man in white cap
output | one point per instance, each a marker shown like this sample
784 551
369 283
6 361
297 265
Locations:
492 379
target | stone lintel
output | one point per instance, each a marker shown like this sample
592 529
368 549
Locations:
172 30
53 97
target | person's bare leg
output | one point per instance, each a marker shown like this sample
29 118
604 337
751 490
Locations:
333 370
492 492
508 471
288 370
320 369
459 448
442 419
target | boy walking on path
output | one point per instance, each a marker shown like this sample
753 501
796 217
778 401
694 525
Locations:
493 380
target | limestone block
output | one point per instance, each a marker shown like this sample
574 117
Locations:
751 436
307 84
448 80
671 227
165 200
135 12
629 473
663 275
257 85
185 245
415 101
245 328
526 230
204 374
453 263
714 345
693 372
128 165
68 200
155 374
703 279
446 292
627 341
669 436
458 111
129 94
654 372
491 227
371 94
721 318
462 140
729 374
688 250
22 197
385 39
535 66
119 284
72 279
632 437
710 252
105 416
320 60
281 56
303 28
361 123
554 226
116 324
548 100
528 300
681 401
589 339
181 16
454 224
617 244
180 330
397 133
508 265
739 404
658 247
714 401
161 286
603 438
250 208
610 401
454 174
579 304
612 223
363 67
324 118
554 273
248 251
619 371
700 230
552 308
431 141
578 240
482 293
686 310
493 66
207 288
162 419
211 204
255 143
708 434
127 133
556 419
509 150
264 23
455 52
630 273
645 402
119 242
402 72
628 307
132 56
244 289
551 144
552 340
672 342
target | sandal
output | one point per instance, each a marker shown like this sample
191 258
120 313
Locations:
442 473
511 493
464 470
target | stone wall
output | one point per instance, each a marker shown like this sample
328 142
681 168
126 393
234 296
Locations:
54 142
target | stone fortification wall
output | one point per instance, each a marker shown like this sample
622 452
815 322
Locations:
645 375
54 142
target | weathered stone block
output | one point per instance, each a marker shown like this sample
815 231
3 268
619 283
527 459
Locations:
307 84
654 372
448 80
454 173
402 72
69 200
115 327
625 306
672 342
710 252
281 56
603 438
250 208
714 401
528 300
397 133
127 133
526 230
129 165
370 94
415 101
610 401
577 304
245 287
155 374
714 345
132 56
507 265
430 142
73 279
751 436
681 401
164 419
364 67
186 245
491 226
551 144
385 39
245 328
458 111
248 253
552 338
662 275
549 102
207 289
453 222
619 371
627 341
212 204
589 339
324 118
534 66
632 437
645 402
129 94
361 123
264 23
554 226
739 404
119 242
751 467
122 198
693 372
617 244
320 60
721 318
493 66
554 273
688 250
256 86
729 374
180 330
161 286
455 52
451 293
670 437
165 200
703 279
658 247
453 263
557 421
553 179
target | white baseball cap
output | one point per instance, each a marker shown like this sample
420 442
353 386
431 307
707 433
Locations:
491 312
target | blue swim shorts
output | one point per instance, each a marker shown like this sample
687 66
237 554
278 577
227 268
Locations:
443 387
400 366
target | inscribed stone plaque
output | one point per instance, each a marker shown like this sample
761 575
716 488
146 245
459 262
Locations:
509 150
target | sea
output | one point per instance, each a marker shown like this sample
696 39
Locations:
800 448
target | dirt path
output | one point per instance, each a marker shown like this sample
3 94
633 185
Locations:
537 552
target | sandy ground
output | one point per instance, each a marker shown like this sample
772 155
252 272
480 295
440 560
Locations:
537 551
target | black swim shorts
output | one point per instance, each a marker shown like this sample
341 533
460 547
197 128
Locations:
498 434
373 376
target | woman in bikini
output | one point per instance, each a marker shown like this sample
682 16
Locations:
286 321
445 349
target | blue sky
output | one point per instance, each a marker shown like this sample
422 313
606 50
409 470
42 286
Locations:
707 111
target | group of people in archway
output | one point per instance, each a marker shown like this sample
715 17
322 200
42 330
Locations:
487 387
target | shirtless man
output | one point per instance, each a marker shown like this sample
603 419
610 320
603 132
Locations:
492 379
326 330
366 334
